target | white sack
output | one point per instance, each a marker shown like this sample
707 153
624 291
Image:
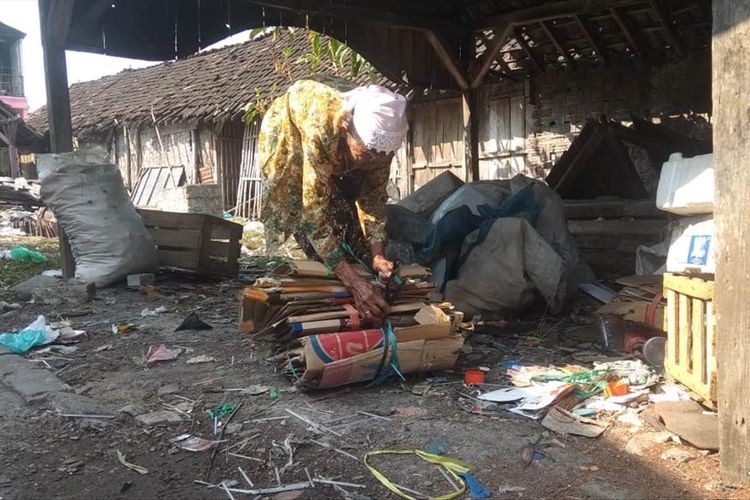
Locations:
504 271
106 234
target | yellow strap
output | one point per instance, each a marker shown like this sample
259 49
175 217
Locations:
451 465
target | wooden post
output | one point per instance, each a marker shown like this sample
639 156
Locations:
471 134
15 170
731 99
54 17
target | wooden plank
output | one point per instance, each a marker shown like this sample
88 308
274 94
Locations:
675 40
598 48
176 238
693 287
548 29
176 258
593 209
171 220
622 23
683 330
698 332
218 249
536 61
673 337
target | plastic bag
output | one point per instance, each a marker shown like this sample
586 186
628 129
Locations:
34 335
23 254
106 234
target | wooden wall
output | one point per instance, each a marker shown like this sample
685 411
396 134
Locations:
526 125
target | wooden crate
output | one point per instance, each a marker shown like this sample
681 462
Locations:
691 333
204 244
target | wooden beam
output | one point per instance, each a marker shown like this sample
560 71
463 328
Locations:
501 36
622 24
507 72
674 38
364 15
730 58
549 11
535 60
591 39
54 33
448 59
551 35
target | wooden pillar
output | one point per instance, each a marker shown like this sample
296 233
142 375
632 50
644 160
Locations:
54 17
731 101
471 134
15 169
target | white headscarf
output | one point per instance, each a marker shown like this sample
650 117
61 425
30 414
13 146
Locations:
379 117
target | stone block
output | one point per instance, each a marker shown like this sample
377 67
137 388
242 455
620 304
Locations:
68 293
159 417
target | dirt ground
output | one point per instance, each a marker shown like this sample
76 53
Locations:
44 455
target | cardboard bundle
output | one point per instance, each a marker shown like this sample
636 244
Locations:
310 315
336 359
303 298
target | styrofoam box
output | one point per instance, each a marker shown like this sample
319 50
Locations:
693 246
686 185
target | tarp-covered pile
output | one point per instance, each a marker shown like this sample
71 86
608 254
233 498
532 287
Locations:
309 313
495 246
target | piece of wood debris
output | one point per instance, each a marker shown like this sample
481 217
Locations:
245 477
246 457
328 446
311 423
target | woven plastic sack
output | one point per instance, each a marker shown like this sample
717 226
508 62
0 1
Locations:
106 234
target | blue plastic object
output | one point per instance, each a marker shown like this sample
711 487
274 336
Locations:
476 490
32 336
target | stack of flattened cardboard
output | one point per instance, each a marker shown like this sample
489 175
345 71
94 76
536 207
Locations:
304 309
640 300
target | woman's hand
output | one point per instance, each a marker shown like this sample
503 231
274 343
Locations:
380 264
368 299
383 267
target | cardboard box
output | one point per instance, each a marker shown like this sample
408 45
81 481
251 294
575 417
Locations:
693 246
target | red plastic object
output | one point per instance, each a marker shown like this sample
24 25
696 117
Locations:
616 389
474 377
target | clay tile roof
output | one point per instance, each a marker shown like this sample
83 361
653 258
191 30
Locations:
212 86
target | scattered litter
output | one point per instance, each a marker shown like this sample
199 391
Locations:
247 478
339 483
411 411
193 322
194 443
81 415
140 280
476 490
36 334
474 377
153 312
123 328
273 394
161 353
436 446
564 422
57 349
630 418
221 411
669 392
23 254
137 468
507 395
202 358
456 469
